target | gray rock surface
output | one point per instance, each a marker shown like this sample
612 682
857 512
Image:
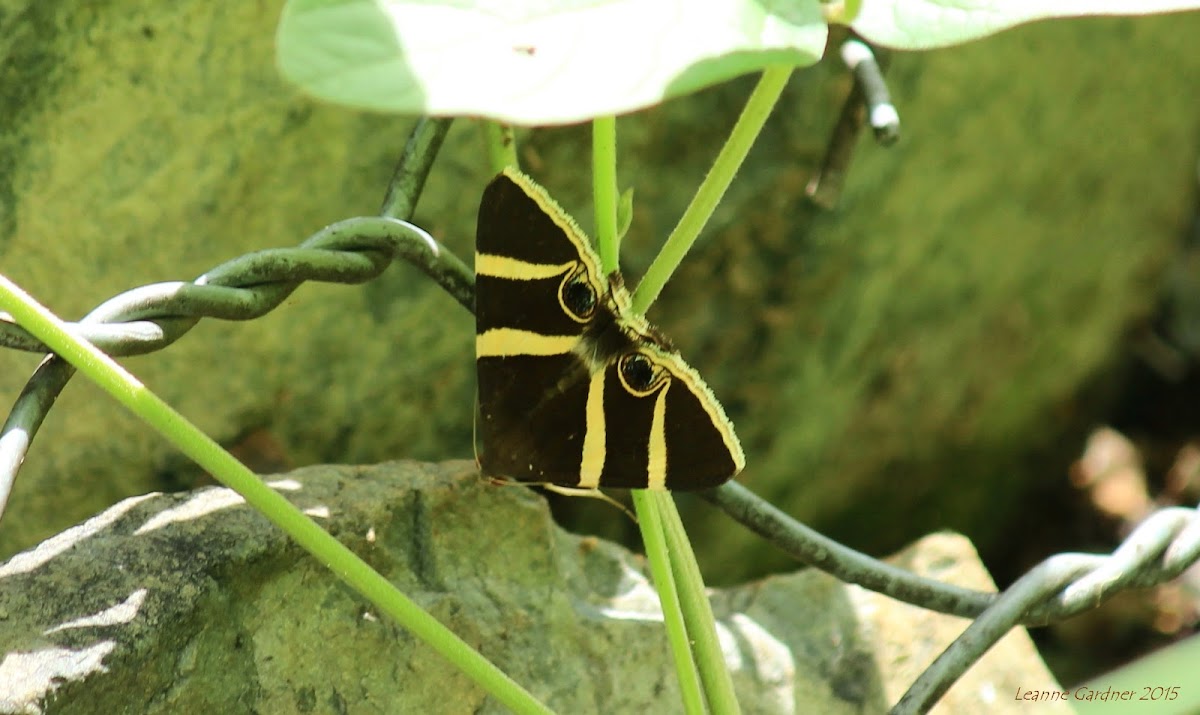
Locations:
193 603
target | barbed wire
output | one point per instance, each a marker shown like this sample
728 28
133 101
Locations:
1159 549
358 249
151 317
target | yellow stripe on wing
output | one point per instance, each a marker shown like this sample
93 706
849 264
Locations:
502 342
487 264
591 465
656 462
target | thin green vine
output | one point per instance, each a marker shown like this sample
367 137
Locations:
659 509
604 170
662 570
131 393
741 138
501 145
701 625
605 196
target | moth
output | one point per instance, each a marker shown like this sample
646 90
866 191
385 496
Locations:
575 389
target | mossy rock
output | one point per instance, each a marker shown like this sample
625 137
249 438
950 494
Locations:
194 603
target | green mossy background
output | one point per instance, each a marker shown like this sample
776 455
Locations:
927 356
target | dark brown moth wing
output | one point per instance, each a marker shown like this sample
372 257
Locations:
555 406
676 437
513 223
531 440
702 450
531 266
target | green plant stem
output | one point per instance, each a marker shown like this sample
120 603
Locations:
661 569
744 132
501 145
127 390
604 188
604 191
697 611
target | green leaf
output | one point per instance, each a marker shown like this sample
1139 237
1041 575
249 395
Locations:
535 61
924 24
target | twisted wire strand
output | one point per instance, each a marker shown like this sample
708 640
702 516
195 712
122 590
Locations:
354 250
151 317
1161 548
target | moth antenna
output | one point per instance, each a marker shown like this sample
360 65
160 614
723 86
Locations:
589 494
